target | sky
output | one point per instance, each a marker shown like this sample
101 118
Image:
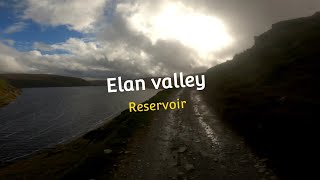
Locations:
97 39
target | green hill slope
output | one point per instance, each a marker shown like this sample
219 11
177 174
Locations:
7 93
270 94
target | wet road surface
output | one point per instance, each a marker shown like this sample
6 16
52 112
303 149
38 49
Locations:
190 143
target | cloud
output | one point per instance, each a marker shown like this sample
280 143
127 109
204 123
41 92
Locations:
9 60
42 46
9 64
164 55
79 15
16 27
9 42
35 62
127 38
117 49
176 21
2 4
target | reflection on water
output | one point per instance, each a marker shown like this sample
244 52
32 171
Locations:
43 117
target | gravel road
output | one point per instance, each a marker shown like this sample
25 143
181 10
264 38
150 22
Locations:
190 143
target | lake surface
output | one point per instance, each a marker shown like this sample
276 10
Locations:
44 117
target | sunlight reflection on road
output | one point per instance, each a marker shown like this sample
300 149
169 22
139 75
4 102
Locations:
196 100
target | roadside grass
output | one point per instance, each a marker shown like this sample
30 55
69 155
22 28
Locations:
84 158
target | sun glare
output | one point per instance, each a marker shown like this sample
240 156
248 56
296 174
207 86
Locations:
175 21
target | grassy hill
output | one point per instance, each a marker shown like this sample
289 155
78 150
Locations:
7 93
43 80
270 94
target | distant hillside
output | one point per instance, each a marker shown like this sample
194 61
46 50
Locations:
42 80
104 82
271 94
98 82
7 93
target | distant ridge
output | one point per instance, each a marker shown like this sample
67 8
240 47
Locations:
42 80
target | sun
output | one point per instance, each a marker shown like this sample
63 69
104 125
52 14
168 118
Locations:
203 33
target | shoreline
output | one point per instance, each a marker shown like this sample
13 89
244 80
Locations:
61 143
8 93
92 153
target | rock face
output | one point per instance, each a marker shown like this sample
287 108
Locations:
270 93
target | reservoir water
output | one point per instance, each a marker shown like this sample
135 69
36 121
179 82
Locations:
44 117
